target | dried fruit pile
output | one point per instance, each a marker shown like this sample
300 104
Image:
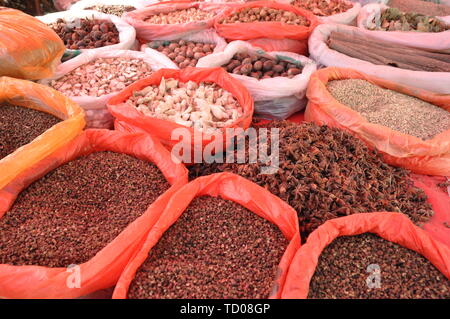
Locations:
183 53
261 67
323 7
400 112
342 271
264 14
181 16
73 212
102 76
116 10
381 52
21 125
204 106
216 249
86 33
326 173
420 6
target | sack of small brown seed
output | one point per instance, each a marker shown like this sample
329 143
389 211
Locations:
110 6
277 81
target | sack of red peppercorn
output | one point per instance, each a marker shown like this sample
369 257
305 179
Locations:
102 270
271 26
221 188
357 279
424 155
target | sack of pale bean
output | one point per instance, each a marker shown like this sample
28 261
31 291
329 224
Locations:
71 223
92 78
22 58
271 26
409 127
34 121
220 236
277 81
369 256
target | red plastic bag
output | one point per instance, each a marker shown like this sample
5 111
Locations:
394 227
270 36
103 270
230 187
430 157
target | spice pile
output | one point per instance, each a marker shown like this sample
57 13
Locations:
420 6
183 53
261 67
393 19
102 76
116 10
264 14
404 274
323 7
21 125
73 212
216 249
400 112
380 52
204 106
86 33
326 173
181 16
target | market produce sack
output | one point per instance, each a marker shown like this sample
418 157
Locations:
103 270
270 36
28 48
147 31
162 129
430 157
127 34
228 186
277 97
438 82
41 98
97 114
393 227
86 4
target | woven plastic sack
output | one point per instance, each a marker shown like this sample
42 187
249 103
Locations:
230 187
270 36
393 227
430 157
97 114
103 270
438 82
41 98
28 48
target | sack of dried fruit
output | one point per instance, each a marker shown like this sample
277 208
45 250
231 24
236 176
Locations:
186 50
116 7
377 255
424 66
92 78
271 26
277 81
22 58
103 193
410 127
171 20
203 101
69 118
237 242
89 30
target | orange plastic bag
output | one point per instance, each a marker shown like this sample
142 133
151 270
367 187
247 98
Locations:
163 129
28 48
270 36
230 187
103 270
394 227
41 98
430 157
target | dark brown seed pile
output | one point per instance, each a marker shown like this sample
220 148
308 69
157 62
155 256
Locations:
73 212
342 272
326 173
216 249
21 125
